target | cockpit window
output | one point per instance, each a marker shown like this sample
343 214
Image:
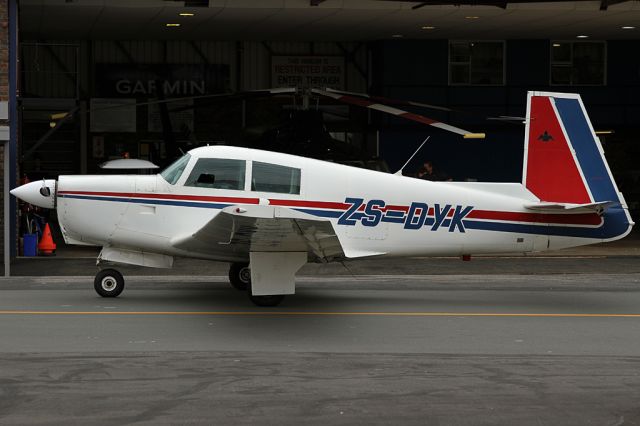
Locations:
267 177
218 173
173 172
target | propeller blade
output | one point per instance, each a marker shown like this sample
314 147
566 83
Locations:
365 103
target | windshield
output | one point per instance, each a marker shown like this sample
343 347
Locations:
172 173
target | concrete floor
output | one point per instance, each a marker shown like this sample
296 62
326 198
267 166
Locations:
485 345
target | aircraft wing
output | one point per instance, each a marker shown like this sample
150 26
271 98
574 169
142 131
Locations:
245 228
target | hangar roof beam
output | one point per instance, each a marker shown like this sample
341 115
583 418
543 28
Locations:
63 67
350 56
604 4
125 52
196 48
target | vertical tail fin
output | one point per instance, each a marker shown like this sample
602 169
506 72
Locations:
563 159
552 170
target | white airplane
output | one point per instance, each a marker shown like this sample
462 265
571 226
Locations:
269 213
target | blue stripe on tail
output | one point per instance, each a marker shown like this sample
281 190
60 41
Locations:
587 152
592 163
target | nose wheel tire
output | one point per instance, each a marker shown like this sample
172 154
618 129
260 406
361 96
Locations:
271 300
108 283
240 276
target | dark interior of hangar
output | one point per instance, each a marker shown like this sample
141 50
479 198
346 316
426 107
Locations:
92 77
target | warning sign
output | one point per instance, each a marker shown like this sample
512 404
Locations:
307 71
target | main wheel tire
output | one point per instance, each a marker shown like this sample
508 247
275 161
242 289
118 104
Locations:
240 276
108 283
271 300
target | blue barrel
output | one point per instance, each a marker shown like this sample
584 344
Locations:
30 244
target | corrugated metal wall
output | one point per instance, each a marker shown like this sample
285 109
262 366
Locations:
63 69
49 69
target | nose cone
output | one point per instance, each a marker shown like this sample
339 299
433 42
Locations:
39 193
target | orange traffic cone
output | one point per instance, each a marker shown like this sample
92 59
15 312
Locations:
46 246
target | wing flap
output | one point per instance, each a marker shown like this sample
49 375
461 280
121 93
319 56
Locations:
246 228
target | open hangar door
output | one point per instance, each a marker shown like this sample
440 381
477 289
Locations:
88 102
87 57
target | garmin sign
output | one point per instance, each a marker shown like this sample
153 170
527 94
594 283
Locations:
171 80
169 88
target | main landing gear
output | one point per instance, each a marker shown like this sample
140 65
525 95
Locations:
240 276
240 279
109 283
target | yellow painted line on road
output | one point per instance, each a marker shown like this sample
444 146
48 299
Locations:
320 313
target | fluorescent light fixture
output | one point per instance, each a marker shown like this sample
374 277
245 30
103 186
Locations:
59 115
186 14
474 136
471 17
604 132
172 25
582 36
428 27
397 36
628 27
556 45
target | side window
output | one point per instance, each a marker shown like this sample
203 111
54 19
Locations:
476 63
267 177
217 173
173 172
576 63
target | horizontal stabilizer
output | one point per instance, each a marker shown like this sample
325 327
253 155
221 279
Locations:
598 207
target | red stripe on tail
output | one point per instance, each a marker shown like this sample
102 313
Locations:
551 170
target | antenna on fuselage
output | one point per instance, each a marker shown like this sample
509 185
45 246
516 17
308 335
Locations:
399 172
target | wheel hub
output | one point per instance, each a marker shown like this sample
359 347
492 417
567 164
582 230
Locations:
109 283
245 275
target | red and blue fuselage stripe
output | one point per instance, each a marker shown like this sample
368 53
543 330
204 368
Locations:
580 225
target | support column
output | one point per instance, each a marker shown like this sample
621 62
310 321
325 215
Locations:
8 125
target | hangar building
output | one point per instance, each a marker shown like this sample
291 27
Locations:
80 81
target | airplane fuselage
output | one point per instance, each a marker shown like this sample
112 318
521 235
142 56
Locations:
269 213
373 213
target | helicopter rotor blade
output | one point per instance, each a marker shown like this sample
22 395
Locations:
502 118
384 100
365 103
156 101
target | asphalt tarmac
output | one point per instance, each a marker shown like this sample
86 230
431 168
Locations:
486 346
